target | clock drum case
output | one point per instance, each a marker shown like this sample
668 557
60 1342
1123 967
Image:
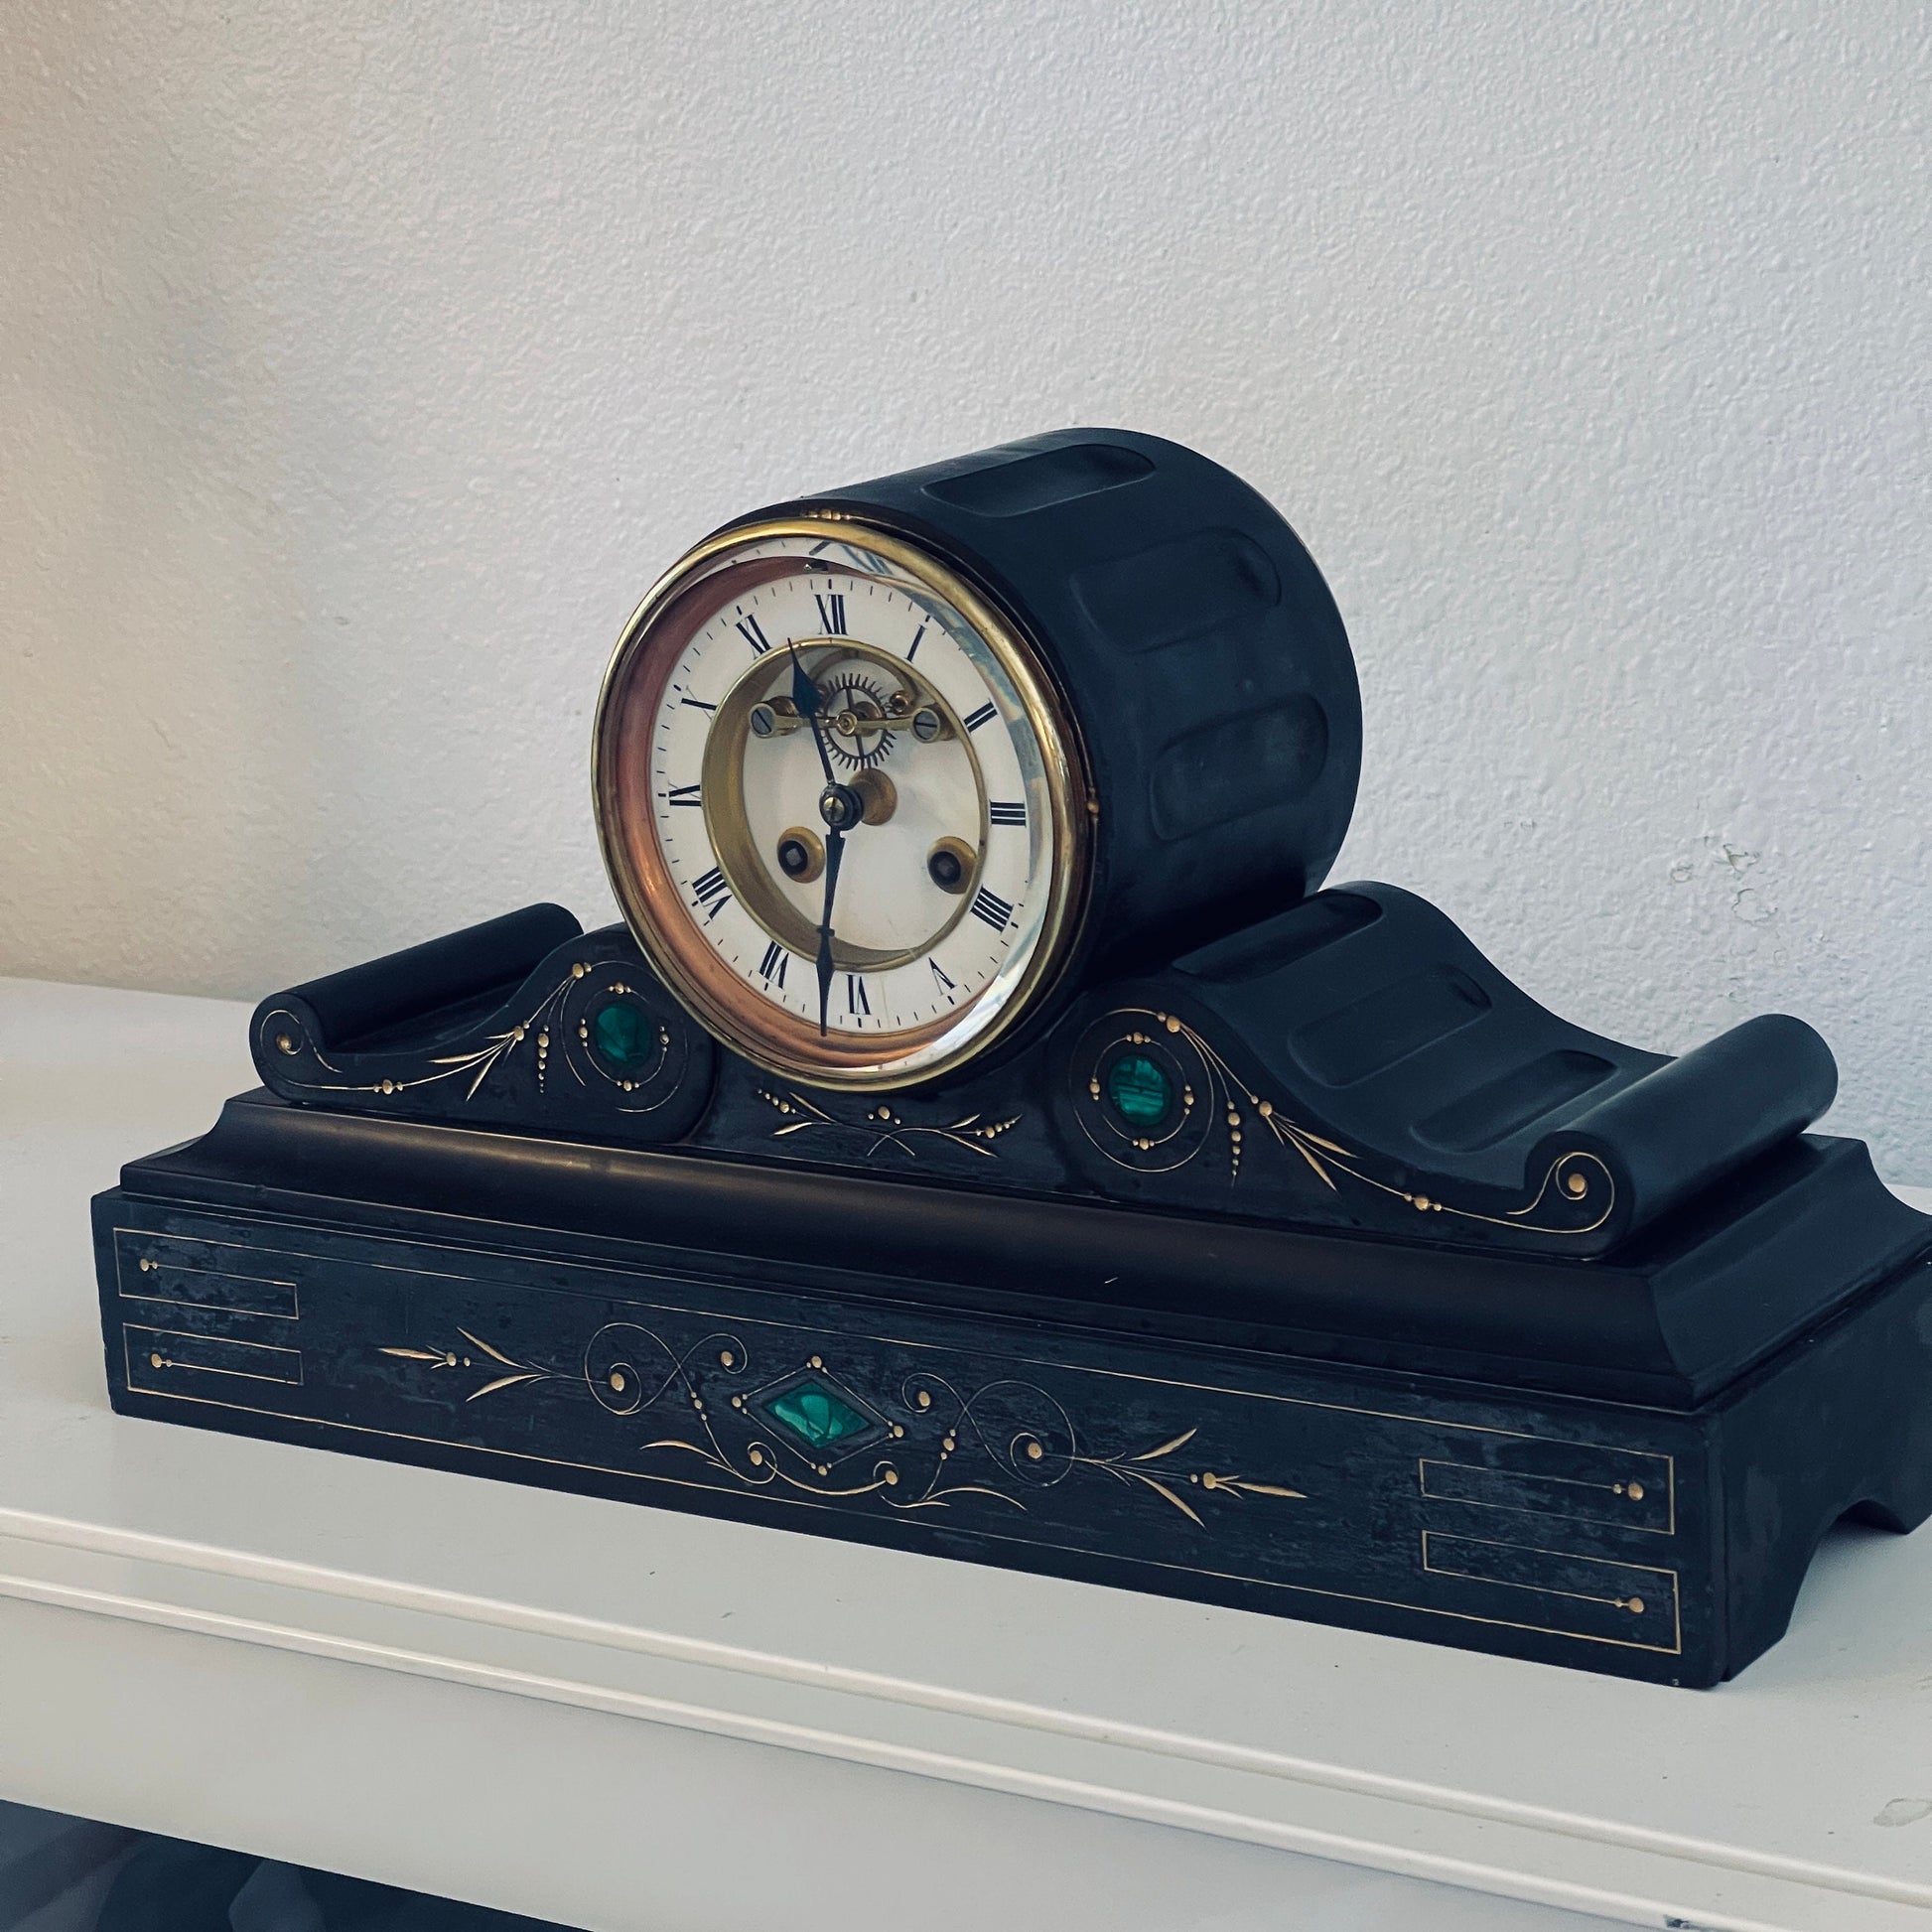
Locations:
1247 1240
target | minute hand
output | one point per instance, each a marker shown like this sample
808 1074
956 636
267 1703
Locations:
804 696
834 851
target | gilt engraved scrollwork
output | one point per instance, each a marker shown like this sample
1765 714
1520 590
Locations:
932 1447
556 1032
515 1373
887 1126
1031 1437
1212 1107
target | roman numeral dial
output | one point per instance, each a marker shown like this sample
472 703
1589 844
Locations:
844 824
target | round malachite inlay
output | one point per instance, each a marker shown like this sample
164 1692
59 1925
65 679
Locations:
1138 1090
623 1035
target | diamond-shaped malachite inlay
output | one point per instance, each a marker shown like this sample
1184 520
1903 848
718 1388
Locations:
1138 1091
623 1035
817 1414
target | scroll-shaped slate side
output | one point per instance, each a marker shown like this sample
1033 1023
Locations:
525 1021
1356 1062
442 976
1691 1122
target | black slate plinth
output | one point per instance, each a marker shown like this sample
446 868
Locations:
1123 1396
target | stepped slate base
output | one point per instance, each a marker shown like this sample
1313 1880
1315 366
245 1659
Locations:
324 1279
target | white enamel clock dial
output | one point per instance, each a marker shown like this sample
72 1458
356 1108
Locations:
840 803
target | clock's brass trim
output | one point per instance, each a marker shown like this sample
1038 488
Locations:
724 1004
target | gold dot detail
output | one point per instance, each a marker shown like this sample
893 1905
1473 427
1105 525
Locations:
1635 1492
1577 1185
757 1458
1034 1452
1635 1607
154 1361
727 1359
617 1380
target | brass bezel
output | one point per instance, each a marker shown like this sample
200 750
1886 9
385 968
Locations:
716 998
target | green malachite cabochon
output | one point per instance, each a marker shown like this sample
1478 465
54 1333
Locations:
622 1035
812 1412
1139 1091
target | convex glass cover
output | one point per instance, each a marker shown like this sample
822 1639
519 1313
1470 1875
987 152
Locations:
840 802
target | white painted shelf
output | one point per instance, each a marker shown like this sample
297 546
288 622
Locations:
622 1717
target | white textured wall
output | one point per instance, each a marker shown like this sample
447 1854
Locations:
359 365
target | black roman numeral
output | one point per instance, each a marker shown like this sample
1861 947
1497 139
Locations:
991 908
831 611
1006 814
685 795
913 649
754 635
712 893
938 973
773 965
981 716
855 1001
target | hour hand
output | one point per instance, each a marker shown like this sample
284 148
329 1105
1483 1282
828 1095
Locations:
804 697
804 693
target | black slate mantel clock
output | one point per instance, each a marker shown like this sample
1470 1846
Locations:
986 1137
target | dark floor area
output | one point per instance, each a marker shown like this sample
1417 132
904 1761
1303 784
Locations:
69 1875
